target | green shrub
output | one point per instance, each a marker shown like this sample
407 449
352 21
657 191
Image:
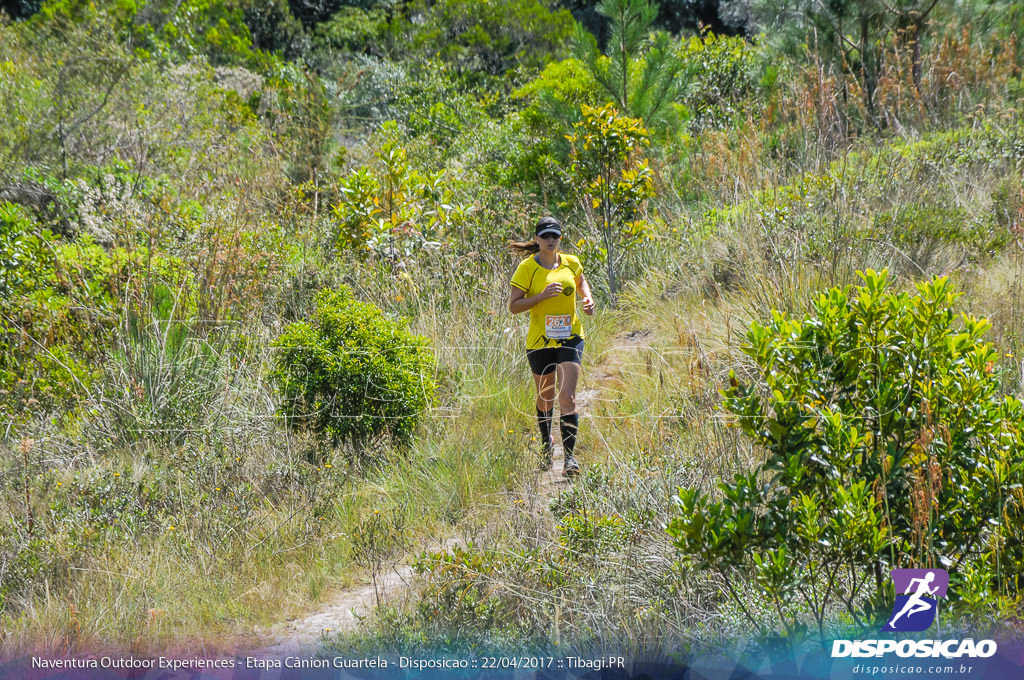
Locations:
353 374
537 150
887 444
60 302
353 29
49 325
725 78
393 210
923 230
491 39
584 532
613 182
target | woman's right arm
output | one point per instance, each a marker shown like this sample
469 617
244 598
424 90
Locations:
518 302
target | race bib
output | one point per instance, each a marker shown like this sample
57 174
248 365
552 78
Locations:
558 326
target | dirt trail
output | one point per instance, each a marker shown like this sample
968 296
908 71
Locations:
342 613
347 607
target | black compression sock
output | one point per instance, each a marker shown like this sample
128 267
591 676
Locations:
570 425
544 422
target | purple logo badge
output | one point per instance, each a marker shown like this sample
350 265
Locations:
917 592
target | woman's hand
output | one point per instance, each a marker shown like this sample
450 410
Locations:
584 291
553 289
518 302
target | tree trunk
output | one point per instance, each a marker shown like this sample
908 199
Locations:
867 70
915 55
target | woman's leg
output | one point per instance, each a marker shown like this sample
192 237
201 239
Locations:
545 412
545 390
568 373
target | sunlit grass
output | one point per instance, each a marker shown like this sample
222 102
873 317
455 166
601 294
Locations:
239 541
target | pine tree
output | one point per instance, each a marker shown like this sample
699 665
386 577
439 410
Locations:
640 71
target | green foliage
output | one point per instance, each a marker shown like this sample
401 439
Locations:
298 109
424 98
724 78
170 31
585 533
640 73
78 86
62 303
216 30
353 29
459 598
612 183
889 208
162 383
534 150
481 40
393 210
922 229
72 62
855 38
352 374
22 253
26 560
555 96
313 12
47 328
22 9
272 27
886 445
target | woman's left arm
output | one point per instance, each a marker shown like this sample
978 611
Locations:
584 288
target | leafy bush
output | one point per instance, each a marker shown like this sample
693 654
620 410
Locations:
48 324
886 445
536 149
353 374
353 29
171 31
613 182
272 27
923 230
394 210
725 77
585 532
61 303
490 39
460 599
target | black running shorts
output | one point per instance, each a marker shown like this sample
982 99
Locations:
543 361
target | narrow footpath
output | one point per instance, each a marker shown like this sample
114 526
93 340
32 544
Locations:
347 608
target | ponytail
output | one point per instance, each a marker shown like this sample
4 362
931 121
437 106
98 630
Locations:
524 246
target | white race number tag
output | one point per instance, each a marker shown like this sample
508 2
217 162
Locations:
558 326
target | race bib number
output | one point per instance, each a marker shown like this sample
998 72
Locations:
558 326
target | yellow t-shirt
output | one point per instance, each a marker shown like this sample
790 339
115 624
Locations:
554 320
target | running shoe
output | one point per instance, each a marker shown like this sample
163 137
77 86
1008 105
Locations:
571 467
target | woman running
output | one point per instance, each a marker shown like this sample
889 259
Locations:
547 283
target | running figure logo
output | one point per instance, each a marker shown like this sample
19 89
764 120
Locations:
914 610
